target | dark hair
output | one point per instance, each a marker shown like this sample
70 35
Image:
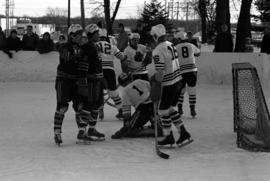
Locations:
29 26
13 31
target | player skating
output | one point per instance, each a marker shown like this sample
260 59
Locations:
186 55
108 53
137 94
168 73
90 84
66 79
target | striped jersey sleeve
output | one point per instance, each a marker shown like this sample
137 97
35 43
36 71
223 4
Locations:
158 60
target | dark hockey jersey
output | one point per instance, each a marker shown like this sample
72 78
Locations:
90 65
69 56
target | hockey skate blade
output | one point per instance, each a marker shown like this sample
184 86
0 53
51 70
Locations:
82 142
185 143
97 139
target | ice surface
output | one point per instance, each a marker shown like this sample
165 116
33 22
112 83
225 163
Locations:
28 152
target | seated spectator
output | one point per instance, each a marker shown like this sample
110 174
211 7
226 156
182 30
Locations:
61 40
30 39
13 41
46 44
3 45
248 46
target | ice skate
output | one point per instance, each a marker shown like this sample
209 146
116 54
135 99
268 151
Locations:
82 138
58 139
167 140
192 111
184 138
101 114
95 135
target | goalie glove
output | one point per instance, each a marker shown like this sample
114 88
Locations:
83 87
138 57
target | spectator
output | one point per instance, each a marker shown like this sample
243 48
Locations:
3 45
248 46
191 39
265 47
224 41
46 44
61 40
30 39
13 41
1 31
122 41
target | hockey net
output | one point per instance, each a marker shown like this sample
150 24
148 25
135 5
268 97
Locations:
251 115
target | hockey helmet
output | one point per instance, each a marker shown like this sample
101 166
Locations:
124 79
91 28
158 31
102 32
75 28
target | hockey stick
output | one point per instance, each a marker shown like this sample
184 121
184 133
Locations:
159 153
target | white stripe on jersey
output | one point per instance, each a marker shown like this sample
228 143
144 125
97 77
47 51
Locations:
165 58
186 57
107 53
136 93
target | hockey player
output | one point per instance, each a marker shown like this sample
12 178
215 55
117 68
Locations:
186 55
137 58
66 79
108 53
168 73
137 94
90 84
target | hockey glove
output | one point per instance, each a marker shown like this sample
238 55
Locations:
83 87
148 59
138 57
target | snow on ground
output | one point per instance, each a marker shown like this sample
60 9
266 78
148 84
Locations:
28 152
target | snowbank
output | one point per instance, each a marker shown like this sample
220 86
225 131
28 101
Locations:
214 68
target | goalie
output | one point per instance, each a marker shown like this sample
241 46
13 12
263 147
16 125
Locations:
137 94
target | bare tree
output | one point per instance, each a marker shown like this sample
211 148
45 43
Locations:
82 14
243 26
223 14
106 5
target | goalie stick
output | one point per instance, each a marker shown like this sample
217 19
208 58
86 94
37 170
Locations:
159 153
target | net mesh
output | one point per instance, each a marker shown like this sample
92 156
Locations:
251 116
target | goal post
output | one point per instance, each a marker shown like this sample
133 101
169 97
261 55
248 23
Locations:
251 115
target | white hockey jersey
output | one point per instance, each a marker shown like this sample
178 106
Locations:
108 52
186 57
165 58
136 93
132 64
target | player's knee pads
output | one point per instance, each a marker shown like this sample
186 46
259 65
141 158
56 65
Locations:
191 90
62 110
113 93
164 112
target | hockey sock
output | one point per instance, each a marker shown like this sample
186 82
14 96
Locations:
192 100
58 121
176 119
166 125
180 100
93 119
84 117
80 122
116 98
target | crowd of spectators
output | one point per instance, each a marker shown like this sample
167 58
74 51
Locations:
29 42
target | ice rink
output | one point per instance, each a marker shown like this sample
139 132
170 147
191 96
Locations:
28 152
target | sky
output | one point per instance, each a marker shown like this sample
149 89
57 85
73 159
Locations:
128 8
